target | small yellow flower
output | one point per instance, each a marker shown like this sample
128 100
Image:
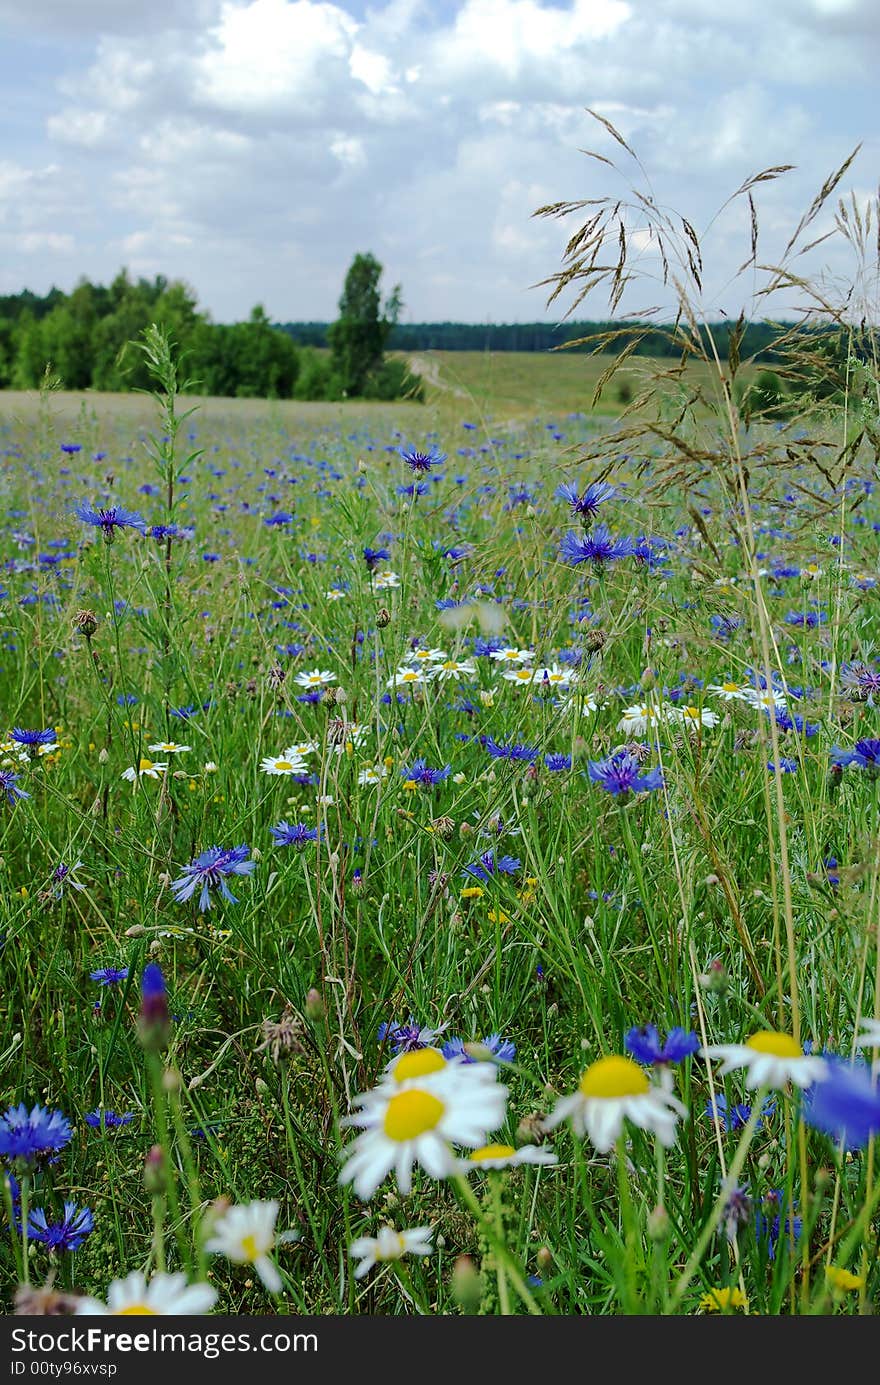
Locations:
724 1300
410 785
840 1280
498 916
472 892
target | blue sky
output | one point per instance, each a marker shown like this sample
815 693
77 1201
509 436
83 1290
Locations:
251 147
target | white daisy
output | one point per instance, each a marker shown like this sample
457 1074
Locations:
869 1035
506 1157
316 678
349 735
696 717
336 594
301 749
146 769
587 703
512 656
453 668
644 716
383 580
372 774
764 699
389 1245
729 692
613 1089
164 1295
405 677
168 748
770 1059
283 764
519 675
427 656
415 1122
555 676
811 571
246 1234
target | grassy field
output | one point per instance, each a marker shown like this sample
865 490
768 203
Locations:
388 846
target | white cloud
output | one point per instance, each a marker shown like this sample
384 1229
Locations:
282 136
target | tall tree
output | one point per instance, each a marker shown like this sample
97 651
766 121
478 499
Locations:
357 339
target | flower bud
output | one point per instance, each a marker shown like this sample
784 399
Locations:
465 1285
154 1170
154 1025
314 1005
383 617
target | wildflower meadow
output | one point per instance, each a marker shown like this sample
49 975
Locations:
440 858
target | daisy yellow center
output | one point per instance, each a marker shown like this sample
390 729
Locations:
145 765
283 764
138 1310
730 687
493 1152
524 675
418 1064
613 1077
692 712
412 1114
249 1248
772 1041
393 1251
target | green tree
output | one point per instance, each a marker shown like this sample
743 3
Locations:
357 339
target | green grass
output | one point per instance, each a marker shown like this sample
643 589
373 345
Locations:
681 907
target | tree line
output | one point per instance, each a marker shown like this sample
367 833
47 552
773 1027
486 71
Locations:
86 340
757 341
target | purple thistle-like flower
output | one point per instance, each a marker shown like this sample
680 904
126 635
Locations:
507 751
493 1046
620 774
109 976
68 1234
9 786
31 1137
860 681
208 872
421 462
489 864
420 772
586 505
111 1120
108 521
294 834
645 1045
598 547
846 1105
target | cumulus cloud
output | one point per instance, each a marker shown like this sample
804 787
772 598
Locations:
253 146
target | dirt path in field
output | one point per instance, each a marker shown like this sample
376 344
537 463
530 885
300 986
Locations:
429 369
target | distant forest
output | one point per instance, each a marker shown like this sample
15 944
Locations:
757 342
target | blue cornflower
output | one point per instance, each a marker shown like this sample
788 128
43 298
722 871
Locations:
421 461
30 1137
154 1022
374 556
417 488
598 547
109 976
208 872
294 834
786 765
769 1223
832 865
280 518
866 755
68 1234
587 504
492 1046
108 521
506 751
159 532
489 864
406 1038
620 774
32 740
9 786
735 1117
557 762
420 772
846 1105
71 447
645 1046
111 1120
